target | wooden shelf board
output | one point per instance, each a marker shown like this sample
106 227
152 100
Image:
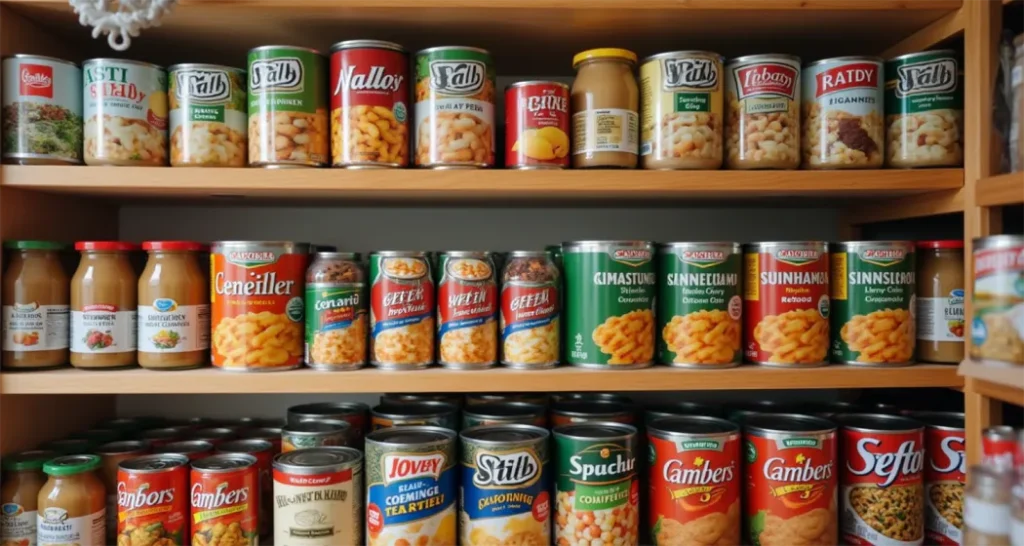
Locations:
999 380
1002 189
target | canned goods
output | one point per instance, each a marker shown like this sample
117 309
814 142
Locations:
208 115
215 435
161 436
530 309
42 111
467 306
924 109
270 434
609 303
356 414
369 104
945 472
287 107
152 495
699 305
762 128
786 303
323 481
423 412
454 112
225 499
112 454
125 110
681 112
679 408
401 398
540 399
738 413
588 396
264 452
318 433
336 312
193 449
498 413
401 310
565 412
828 410
537 125
997 331
873 286
999 447
843 113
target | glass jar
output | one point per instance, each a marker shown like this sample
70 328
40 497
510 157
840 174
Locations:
336 312
23 478
72 502
940 301
104 308
174 307
36 305
987 508
605 109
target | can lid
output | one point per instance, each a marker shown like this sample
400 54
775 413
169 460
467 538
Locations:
334 255
316 426
71 464
70 446
121 246
947 420
512 432
186 446
760 423
174 245
369 44
328 409
696 425
876 422
224 462
499 409
948 243
596 430
35 245
247 445
314 458
123 446
603 53
28 460
416 434
417 407
155 463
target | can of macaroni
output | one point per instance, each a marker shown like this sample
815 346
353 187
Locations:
997 332
499 413
873 286
424 412
467 308
125 111
762 124
538 398
42 104
264 452
945 472
336 312
225 499
699 305
677 409
151 493
318 497
208 115
924 109
316 433
355 414
193 449
843 114
537 125
530 308
786 304
609 303
401 310
565 412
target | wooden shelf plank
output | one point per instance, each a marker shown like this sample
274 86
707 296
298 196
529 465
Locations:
928 37
999 380
1002 189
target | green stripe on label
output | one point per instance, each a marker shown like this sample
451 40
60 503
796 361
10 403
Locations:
692 102
206 113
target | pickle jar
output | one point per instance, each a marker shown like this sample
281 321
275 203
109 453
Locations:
104 312
605 110
36 303
174 307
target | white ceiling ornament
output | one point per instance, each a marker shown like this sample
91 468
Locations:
120 20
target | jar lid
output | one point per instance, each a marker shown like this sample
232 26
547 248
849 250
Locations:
174 245
604 53
71 464
106 245
948 243
28 460
35 245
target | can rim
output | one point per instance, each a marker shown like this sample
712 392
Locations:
300 48
237 462
847 58
862 244
737 247
567 431
263 445
473 411
822 245
115 60
998 241
136 464
442 408
465 253
861 422
400 253
369 44
775 427
536 82
764 57
528 254
453 48
133 446
43 57
348 458
289 247
199 446
471 432
316 427
185 66
353 256
941 420
579 244
694 52
654 430
907 56
440 435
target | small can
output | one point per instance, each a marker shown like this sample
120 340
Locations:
831 408
321 432
531 304
424 412
999 447
699 305
42 111
785 303
264 453
677 409
318 497
454 111
215 435
356 414
945 473
499 413
537 125
98 436
739 412
270 434
162 436
152 495
762 125
336 312
125 110
112 454
208 115
401 398
924 109
401 310
538 398
467 308
565 412
588 396
287 107
681 110
997 331
225 499
193 449
843 114
609 303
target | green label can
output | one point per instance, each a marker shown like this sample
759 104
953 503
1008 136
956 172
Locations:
924 109
609 303
873 287
336 312
208 115
699 304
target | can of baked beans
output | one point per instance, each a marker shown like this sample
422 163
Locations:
924 109
152 493
193 449
999 447
537 125
538 398
336 312
762 123
264 453
42 104
424 412
125 111
401 310
467 309
325 481
355 414
945 473
531 306
208 115
316 433
225 499
843 115
498 413
786 304
369 104
680 408
566 412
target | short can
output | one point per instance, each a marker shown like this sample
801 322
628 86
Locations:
337 315
356 414
369 104
945 473
208 115
565 412
609 303
999 447
112 454
125 110
531 305
162 436
762 123
256 304
318 497
225 500
537 398
997 330
215 435
506 412
842 114
699 305
264 452
467 310
739 412
505 491
401 398
287 107
454 109
785 303
681 110
193 449
316 433
537 125
42 111
401 310
679 408
924 109
424 412
152 499
270 434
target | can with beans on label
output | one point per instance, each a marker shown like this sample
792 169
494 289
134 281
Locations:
530 307
318 497
537 125
843 114
924 109
997 330
152 495
316 433
264 452
42 111
505 412
209 108
467 307
423 412
564 412
401 310
336 312
125 111
762 127
945 473
225 499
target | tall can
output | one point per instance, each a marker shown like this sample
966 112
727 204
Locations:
996 330
945 473
264 452
287 107
318 497
208 115
999 447
225 499
356 414
42 111
336 312
413 413
316 433
152 494
843 115
125 110
454 112
531 305
504 412
401 310
537 125
762 127
467 310
924 109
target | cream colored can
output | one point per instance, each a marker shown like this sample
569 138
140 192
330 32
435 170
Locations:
318 497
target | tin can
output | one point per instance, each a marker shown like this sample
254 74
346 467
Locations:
681 110
531 304
162 436
739 412
99 436
225 499
699 305
112 454
424 412
565 412
467 308
828 410
336 312
152 494
402 398
270 434
215 435
762 125
355 414
537 125
193 449
208 115
679 409
999 447
369 104
325 482
843 115
609 303
42 111
786 304
287 107
924 109
124 104
318 433
499 413
401 310
454 112
128 426
589 396
264 453
945 473
537 398
997 331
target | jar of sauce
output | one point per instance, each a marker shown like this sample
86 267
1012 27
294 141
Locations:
72 503
104 306
35 306
23 478
940 301
174 307
605 109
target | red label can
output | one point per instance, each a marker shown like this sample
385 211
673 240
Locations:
530 307
945 472
467 307
264 453
152 494
999 447
225 499
193 449
537 125
401 310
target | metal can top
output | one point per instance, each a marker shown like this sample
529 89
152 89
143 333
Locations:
570 246
606 396
151 464
40 58
536 82
999 432
877 422
501 409
262 433
410 436
418 408
942 420
316 427
528 254
296 48
101 60
832 407
327 409
123 447
400 253
704 426
773 424
466 253
846 59
186 446
368 44
596 431
908 56
590 408
190 66
681 407
318 460
764 57
224 462
437 49
353 256
497 435
288 247
247 445
665 248
998 241
165 433
770 245
857 245
215 433
688 53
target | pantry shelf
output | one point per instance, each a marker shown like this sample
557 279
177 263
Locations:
1003 189
999 380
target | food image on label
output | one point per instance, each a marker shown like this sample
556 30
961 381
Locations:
941 319
842 113
166 327
225 500
467 304
33 327
318 497
530 309
125 110
208 115
336 323
945 472
401 310
153 501
102 328
42 110
537 124
924 109
762 128
997 330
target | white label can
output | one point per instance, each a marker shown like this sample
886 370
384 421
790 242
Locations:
318 497
125 110
843 117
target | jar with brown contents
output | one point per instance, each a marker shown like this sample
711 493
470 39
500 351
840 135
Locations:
605 109
36 305
336 312
104 313
23 478
71 504
174 307
940 301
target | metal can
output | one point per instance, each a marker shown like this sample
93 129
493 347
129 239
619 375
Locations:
42 111
287 107
499 413
588 396
997 331
609 303
152 494
530 311
318 497
124 104
785 303
112 454
537 125
699 305
424 412
208 115
679 408
739 412
565 412
264 452
369 104
924 109
401 398
537 398
270 434
356 414
999 447
454 112
831 408
225 499
467 308
945 473
681 110
401 310
318 433
336 312
193 449
596 483
762 126
842 113
505 491
215 435
161 436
